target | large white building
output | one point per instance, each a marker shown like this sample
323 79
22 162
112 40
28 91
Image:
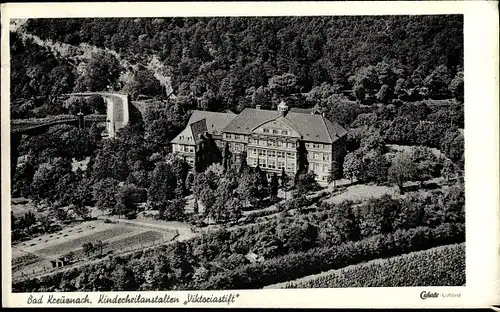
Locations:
270 138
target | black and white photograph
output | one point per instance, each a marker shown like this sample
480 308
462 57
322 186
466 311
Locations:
210 153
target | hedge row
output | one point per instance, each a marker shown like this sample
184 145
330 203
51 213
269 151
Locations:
440 266
296 265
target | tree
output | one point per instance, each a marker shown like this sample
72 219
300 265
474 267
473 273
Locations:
377 215
123 279
448 171
335 173
365 82
385 94
163 184
143 82
302 162
426 163
235 208
262 98
174 210
284 179
88 248
375 166
283 85
54 181
126 200
402 169
338 109
105 192
99 245
305 183
75 105
100 73
353 165
456 86
207 197
227 160
81 210
248 186
452 145
274 185
437 82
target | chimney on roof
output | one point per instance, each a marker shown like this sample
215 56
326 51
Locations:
282 109
257 106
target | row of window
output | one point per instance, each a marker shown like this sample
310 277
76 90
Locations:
272 164
233 136
275 131
269 153
317 145
182 138
236 147
272 143
183 148
318 156
317 167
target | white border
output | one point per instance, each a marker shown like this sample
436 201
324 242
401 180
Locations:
481 135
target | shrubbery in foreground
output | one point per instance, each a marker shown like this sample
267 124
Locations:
295 265
440 266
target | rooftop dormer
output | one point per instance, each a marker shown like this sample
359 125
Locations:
282 108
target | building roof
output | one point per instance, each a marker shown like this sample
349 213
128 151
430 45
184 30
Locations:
312 110
248 119
314 128
215 122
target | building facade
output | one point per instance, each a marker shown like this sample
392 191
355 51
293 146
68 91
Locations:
270 139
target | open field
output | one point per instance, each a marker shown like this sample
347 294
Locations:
77 242
20 206
439 266
362 191
35 255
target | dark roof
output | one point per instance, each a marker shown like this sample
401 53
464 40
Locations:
314 128
198 128
215 121
248 119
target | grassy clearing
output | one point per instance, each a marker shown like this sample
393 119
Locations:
361 192
440 266
20 206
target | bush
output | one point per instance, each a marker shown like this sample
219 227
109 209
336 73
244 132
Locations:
295 265
441 266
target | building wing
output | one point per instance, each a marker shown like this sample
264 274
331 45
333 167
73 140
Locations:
215 122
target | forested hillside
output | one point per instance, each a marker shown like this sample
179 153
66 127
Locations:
238 62
394 82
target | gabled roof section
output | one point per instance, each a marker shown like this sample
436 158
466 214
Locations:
335 130
278 119
312 127
185 137
215 122
249 119
316 128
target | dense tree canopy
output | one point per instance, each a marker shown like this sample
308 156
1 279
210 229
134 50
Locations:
239 62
